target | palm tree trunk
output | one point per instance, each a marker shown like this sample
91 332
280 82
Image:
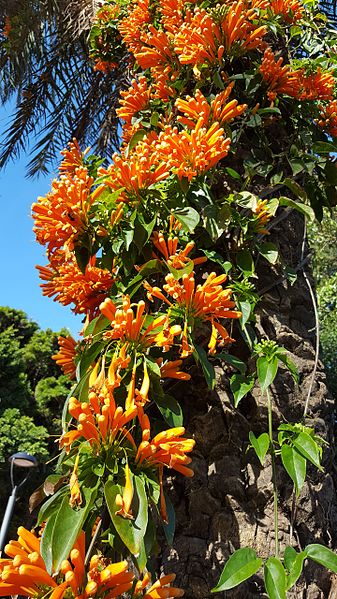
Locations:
229 502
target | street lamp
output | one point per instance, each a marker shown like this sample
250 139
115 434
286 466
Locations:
20 460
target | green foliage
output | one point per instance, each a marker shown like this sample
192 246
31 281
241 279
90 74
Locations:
50 393
19 433
323 245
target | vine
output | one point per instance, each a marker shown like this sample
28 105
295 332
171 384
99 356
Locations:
231 106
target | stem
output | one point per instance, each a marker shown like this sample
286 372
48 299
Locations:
273 465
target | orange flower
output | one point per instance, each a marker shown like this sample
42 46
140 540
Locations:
63 213
99 420
291 10
66 355
157 49
133 101
168 448
75 492
263 216
280 79
25 572
131 328
124 503
105 66
171 370
171 14
204 39
141 169
169 249
72 158
69 285
316 86
8 27
192 153
207 302
198 107
297 84
161 588
328 119
132 26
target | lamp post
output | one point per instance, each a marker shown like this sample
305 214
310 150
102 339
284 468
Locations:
20 460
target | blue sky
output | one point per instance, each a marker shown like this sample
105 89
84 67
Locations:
20 252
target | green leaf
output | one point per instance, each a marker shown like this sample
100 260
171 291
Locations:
299 206
245 263
295 464
137 136
170 410
269 251
275 579
260 445
295 188
233 361
241 385
293 562
188 217
245 199
243 564
82 255
63 528
266 371
218 259
130 531
308 447
322 555
97 325
245 308
232 173
290 365
324 147
88 358
200 355
179 273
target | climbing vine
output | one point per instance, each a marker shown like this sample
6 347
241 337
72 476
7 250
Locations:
228 125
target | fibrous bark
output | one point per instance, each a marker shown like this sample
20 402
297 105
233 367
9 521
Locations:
229 502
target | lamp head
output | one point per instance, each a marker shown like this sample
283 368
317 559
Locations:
23 460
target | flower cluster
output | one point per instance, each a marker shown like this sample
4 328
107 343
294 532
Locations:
24 573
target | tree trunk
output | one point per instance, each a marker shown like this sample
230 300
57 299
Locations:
229 502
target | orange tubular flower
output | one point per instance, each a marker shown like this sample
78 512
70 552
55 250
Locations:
204 39
161 588
65 357
192 153
132 26
135 99
68 284
318 86
141 169
198 107
156 51
171 370
100 421
124 503
291 10
63 213
280 79
263 216
168 448
25 572
207 302
72 158
169 249
328 119
130 327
